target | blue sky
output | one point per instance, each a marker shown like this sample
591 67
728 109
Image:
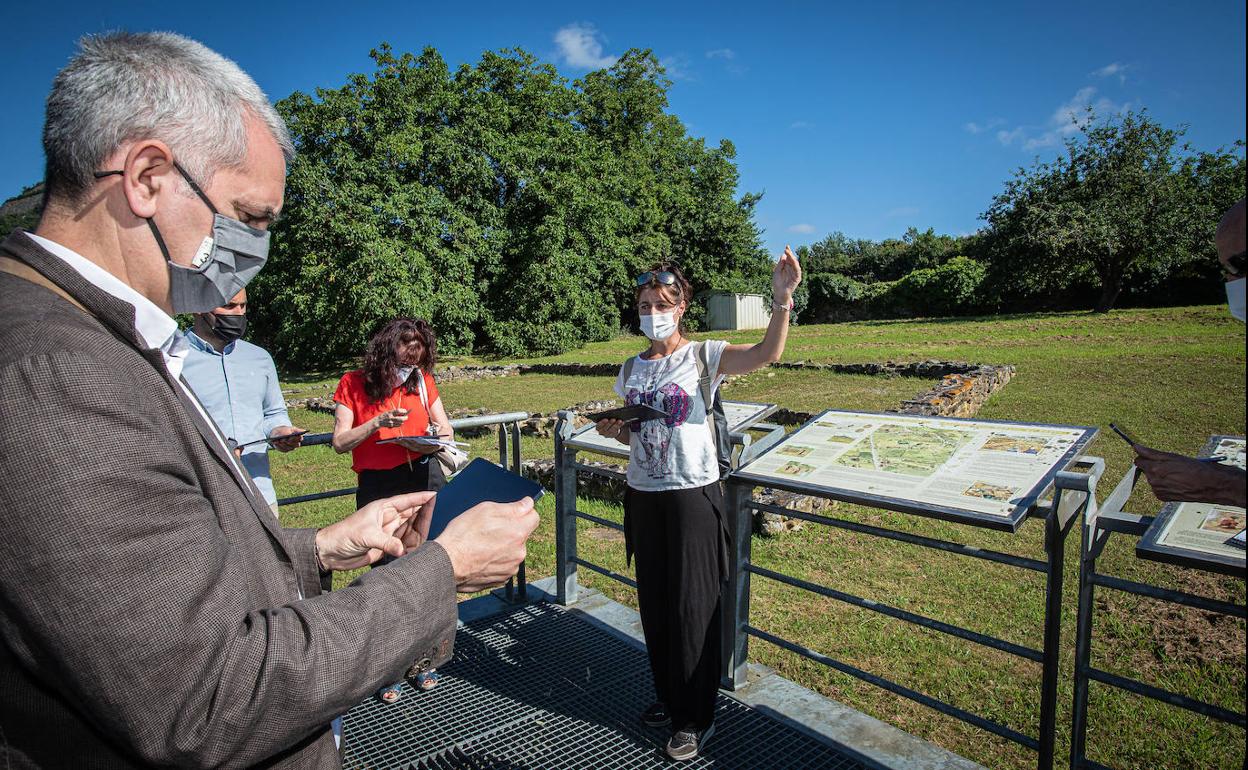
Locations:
866 118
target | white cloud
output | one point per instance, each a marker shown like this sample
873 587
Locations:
902 211
1068 119
979 128
728 56
803 229
580 46
801 124
677 67
1113 69
1009 137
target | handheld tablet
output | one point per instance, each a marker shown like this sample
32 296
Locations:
425 440
480 482
271 439
641 412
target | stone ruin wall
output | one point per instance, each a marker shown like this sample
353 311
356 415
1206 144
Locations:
962 390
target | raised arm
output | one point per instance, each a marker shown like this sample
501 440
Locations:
740 359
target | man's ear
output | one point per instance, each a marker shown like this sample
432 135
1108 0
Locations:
149 174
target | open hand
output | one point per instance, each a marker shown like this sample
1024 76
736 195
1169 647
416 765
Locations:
785 277
391 526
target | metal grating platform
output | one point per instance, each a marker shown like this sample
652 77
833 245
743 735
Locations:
539 687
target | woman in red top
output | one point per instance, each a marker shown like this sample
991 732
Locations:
383 401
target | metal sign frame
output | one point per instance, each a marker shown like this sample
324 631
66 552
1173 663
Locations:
1009 523
1073 493
1098 527
1150 547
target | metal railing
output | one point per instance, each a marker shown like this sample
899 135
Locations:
508 426
1098 526
1073 493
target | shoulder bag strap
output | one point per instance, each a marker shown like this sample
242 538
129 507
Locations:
704 383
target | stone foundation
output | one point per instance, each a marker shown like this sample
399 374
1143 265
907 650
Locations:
960 394
962 390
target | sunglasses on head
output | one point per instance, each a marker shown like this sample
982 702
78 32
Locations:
665 277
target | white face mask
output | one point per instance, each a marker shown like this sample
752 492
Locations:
658 326
403 373
1235 297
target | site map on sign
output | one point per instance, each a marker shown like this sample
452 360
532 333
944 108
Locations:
973 466
912 450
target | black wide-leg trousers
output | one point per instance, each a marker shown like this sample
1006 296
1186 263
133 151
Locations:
418 475
680 541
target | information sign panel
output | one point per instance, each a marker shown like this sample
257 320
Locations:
1197 534
979 472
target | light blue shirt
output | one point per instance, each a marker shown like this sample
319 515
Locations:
238 387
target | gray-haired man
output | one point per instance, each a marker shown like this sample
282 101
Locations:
153 611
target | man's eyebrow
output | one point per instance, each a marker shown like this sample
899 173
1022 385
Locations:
257 210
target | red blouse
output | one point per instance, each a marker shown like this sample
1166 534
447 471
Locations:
369 455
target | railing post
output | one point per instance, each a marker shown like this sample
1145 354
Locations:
565 511
517 467
1083 643
510 589
1073 494
736 596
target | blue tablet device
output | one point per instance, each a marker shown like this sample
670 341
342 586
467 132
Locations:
480 482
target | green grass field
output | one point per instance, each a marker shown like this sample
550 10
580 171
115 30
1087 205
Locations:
1173 376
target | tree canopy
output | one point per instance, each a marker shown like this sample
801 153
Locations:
1125 204
504 203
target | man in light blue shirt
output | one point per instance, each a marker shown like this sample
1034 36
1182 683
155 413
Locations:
237 384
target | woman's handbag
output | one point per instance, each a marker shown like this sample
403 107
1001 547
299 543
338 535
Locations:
452 459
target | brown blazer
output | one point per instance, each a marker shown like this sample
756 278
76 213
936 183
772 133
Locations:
149 601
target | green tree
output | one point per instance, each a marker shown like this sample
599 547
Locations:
506 204
1124 201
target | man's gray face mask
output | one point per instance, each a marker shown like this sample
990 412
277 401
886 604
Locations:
224 264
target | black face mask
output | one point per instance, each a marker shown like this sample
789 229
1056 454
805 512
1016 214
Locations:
229 327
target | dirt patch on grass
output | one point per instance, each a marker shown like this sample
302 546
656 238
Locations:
1183 635
1188 635
604 534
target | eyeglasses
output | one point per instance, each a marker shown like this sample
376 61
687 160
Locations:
1235 264
665 277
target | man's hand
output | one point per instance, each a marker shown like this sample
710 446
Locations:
393 526
285 444
1186 479
486 543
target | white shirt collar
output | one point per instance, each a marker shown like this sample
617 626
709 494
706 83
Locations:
155 327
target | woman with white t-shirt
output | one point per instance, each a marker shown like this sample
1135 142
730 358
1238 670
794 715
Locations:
674 518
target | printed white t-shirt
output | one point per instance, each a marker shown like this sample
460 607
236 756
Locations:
675 452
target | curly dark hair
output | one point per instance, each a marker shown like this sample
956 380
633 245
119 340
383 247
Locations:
381 358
